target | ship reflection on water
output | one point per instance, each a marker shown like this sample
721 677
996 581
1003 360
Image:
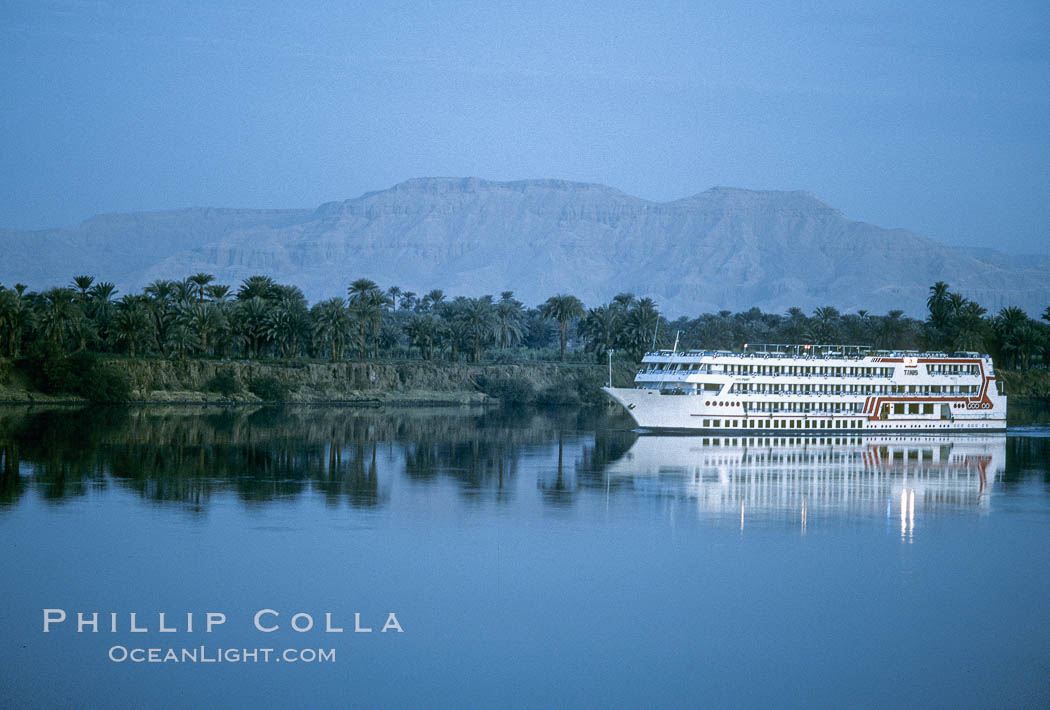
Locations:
809 478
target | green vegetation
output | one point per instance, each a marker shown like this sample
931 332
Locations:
268 389
57 336
224 383
83 374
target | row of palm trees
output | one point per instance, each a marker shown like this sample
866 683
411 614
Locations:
262 318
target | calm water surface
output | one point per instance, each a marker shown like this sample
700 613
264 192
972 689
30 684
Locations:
532 559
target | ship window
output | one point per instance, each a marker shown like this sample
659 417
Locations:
717 422
898 409
927 409
913 409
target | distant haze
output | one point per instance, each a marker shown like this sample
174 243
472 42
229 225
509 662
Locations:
928 116
724 248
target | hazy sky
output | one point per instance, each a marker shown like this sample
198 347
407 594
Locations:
935 118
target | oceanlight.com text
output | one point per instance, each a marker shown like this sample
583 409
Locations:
204 654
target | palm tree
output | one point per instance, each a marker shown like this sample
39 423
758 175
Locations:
159 290
218 292
408 301
510 319
478 323
797 325
937 303
891 329
379 303
432 300
199 281
133 323
359 288
638 331
824 329
394 292
564 309
14 316
181 337
101 306
423 332
452 333
59 311
183 291
250 322
969 329
622 301
161 294
367 302
82 284
600 329
226 334
287 322
1017 338
331 326
202 318
255 287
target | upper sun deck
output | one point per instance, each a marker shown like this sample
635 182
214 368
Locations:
802 352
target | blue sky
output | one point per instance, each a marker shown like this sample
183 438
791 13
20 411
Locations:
929 116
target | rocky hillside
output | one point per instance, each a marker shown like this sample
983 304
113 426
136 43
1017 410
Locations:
721 249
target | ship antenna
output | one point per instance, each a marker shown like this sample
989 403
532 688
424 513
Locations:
675 348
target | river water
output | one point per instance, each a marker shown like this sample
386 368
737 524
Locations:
516 559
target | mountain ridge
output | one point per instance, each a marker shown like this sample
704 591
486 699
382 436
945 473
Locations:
722 248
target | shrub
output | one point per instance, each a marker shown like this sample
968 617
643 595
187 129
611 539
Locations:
268 389
53 372
223 383
508 390
105 385
557 396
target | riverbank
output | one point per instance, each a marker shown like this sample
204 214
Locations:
392 382
190 381
1030 386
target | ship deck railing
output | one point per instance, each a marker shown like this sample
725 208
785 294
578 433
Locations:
818 352
781 375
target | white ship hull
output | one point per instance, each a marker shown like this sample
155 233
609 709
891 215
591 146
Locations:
741 393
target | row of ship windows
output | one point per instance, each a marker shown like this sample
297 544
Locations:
783 423
829 407
885 454
826 456
832 408
791 370
801 370
953 369
767 388
838 407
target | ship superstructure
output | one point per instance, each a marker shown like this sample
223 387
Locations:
814 388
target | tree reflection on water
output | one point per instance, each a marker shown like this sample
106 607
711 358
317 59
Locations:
186 456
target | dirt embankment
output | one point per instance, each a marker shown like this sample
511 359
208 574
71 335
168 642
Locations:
160 381
1031 385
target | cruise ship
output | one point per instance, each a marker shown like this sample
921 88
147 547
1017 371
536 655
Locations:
814 389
